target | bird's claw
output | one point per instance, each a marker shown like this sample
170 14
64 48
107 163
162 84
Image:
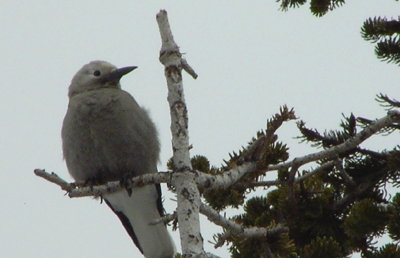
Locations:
92 181
126 182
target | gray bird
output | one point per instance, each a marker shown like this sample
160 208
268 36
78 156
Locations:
107 136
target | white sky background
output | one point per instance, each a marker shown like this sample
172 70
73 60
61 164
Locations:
251 59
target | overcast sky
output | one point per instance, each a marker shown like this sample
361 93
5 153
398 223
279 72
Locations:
251 59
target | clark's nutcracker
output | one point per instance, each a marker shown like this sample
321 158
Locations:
107 136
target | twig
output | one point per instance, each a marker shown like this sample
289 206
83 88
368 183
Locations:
188 69
54 178
165 219
348 179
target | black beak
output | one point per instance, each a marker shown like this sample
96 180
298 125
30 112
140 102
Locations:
118 73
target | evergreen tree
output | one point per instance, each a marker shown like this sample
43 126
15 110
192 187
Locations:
335 209
380 30
332 210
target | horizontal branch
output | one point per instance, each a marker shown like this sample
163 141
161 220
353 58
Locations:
203 180
280 182
262 183
75 190
54 178
225 179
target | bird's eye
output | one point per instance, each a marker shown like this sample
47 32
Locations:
97 73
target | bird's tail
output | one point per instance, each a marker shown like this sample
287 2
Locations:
136 212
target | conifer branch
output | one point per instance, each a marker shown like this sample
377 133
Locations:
360 190
393 116
374 29
387 102
387 32
317 7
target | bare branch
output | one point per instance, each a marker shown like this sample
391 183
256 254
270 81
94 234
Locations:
168 44
203 180
315 171
225 179
296 180
219 220
170 57
262 183
167 39
188 69
74 190
184 180
238 230
339 166
54 178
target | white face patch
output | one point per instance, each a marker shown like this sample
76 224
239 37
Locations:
90 76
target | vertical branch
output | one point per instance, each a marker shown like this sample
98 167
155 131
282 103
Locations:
290 180
170 57
183 180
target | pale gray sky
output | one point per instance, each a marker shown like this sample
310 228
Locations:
250 57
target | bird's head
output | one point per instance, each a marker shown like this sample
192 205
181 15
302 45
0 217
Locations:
96 75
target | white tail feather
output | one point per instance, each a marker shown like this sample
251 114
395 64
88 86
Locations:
139 210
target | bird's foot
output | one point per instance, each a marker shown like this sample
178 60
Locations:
92 181
126 182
